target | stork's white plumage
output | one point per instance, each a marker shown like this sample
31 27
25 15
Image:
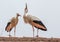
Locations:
33 21
12 24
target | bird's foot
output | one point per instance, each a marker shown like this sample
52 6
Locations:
37 35
9 35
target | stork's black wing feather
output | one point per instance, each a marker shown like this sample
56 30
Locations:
39 22
7 25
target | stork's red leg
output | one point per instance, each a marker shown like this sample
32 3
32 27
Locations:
14 31
9 34
37 32
33 30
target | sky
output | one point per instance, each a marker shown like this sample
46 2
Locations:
48 11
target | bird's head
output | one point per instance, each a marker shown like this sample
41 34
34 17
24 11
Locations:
18 14
26 9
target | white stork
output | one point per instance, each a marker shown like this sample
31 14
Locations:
12 24
33 21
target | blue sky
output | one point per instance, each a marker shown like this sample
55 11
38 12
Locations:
47 10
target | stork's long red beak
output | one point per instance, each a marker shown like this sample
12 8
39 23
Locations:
18 14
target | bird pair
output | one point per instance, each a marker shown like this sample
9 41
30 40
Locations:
32 20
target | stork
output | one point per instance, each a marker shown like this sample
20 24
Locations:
33 21
12 24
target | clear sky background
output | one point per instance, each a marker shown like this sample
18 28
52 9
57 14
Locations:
47 10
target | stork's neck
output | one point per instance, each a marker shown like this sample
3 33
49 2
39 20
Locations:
16 17
25 14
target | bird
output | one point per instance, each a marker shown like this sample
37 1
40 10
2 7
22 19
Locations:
12 24
33 21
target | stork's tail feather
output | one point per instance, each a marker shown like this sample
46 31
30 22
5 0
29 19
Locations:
7 26
41 25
